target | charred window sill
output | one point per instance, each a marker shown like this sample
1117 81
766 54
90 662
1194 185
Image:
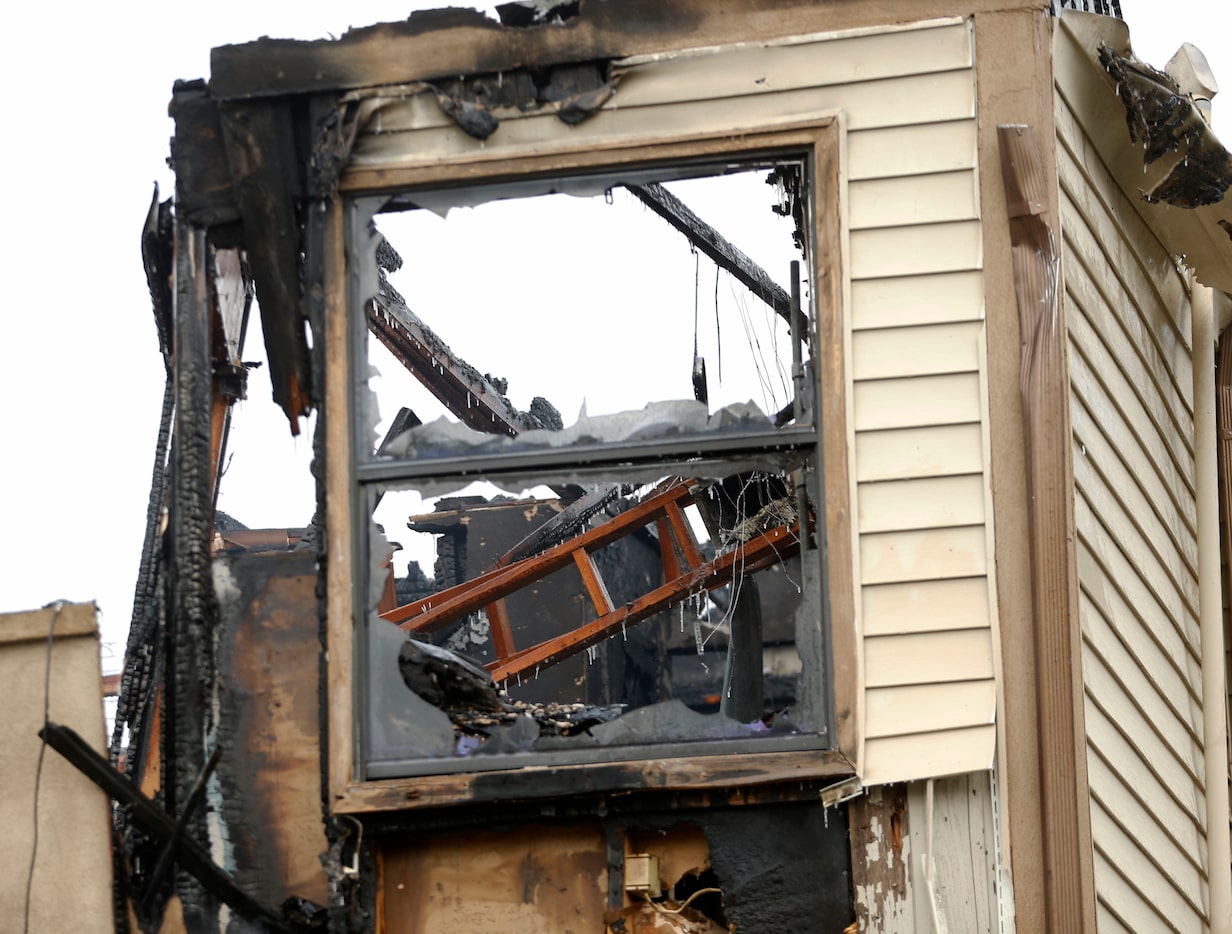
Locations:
727 772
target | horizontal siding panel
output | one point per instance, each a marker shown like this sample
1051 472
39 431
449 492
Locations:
946 752
1140 871
1148 798
1102 688
1122 675
1151 385
1155 641
1131 304
1119 900
1148 269
1156 774
1175 630
928 658
892 102
1106 920
925 606
932 147
933 554
913 251
1125 420
916 351
767 69
916 401
904 453
1179 861
1160 566
1162 570
916 199
915 300
1126 469
922 708
934 502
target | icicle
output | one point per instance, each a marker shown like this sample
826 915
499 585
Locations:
624 635
697 637
519 679
682 617
536 672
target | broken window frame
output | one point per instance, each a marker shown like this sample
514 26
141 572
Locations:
818 141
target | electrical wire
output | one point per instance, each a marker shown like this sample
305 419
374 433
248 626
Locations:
683 905
38 771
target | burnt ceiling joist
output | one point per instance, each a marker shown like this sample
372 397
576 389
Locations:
721 251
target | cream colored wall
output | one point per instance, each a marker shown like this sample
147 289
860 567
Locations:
1127 310
917 420
70 889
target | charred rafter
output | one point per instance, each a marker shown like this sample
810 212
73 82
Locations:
718 248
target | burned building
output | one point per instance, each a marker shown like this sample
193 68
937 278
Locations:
832 551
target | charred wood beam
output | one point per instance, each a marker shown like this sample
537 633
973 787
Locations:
193 610
717 247
259 137
459 387
158 825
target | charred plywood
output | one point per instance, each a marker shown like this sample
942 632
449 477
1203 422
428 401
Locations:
781 868
269 776
537 879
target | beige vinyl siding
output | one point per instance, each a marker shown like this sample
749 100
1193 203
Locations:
1127 314
913 261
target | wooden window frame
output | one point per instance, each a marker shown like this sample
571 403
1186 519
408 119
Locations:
349 793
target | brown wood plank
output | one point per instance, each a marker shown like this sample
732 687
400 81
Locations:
594 583
485 589
769 548
502 633
683 535
672 568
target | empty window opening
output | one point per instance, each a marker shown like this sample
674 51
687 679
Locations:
590 463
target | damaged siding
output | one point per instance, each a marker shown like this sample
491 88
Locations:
915 355
1127 311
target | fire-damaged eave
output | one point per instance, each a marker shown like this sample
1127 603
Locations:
1164 155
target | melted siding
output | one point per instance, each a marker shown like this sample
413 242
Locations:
1127 313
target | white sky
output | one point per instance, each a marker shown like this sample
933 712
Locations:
88 132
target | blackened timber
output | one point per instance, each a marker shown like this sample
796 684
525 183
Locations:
265 168
459 388
716 246
157 823
193 614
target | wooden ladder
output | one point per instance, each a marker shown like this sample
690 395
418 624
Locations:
685 572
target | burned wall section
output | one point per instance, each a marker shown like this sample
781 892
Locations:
779 866
267 788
